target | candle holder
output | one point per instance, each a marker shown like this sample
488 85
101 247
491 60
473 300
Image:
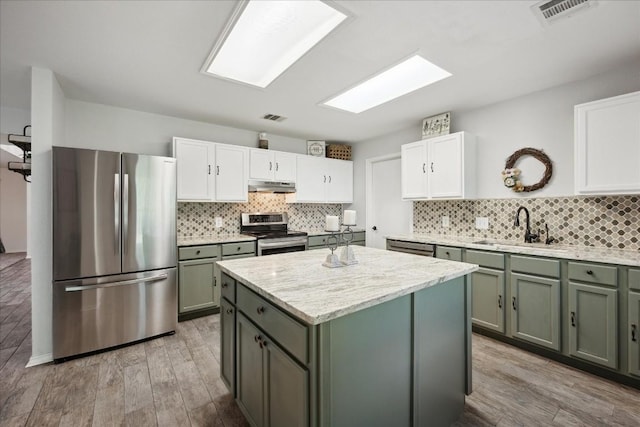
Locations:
332 260
347 256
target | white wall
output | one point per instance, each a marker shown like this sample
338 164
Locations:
541 120
105 127
13 120
47 114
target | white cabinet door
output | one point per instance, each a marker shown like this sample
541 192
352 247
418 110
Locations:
231 173
339 181
414 170
607 146
445 167
311 180
194 161
284 167
261 165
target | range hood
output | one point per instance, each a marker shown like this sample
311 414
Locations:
271 187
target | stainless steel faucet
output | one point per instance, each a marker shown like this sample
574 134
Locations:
529 237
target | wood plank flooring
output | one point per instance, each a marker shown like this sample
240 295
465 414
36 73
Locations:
175 380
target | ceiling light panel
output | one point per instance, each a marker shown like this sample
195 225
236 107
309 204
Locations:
268 37
411 74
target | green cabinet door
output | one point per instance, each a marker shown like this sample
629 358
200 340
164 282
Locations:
197 284
228 344
593 326
287 388
535 310
488 298
250 371
634 333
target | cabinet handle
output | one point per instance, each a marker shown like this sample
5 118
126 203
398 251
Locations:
224 284
260 310
424 165
256 338
276 166
573 319
217 170
431 166
329 179
499 301
634 337
270 165
513 303
325 178
209 169
590 272
229 311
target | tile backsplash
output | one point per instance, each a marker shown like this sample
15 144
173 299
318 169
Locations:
198 219
602 221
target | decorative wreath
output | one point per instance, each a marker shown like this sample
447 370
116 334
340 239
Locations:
511 175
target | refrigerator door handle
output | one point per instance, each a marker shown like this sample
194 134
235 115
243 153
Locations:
125 211
119 283
116 211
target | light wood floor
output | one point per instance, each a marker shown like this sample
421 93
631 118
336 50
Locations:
174 380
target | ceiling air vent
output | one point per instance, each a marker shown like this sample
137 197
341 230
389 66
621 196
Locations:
550 11
273 117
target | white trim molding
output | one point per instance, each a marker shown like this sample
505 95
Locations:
40 359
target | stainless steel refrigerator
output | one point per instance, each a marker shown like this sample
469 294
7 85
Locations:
114 249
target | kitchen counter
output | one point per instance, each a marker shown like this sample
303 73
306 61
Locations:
570 252
213 239
298 282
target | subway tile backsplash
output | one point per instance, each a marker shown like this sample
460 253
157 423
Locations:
198 219
602 221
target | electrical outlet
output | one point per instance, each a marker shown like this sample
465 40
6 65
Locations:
445 221
482 223
218 220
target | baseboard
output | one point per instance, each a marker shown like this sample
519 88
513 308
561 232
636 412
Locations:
39 360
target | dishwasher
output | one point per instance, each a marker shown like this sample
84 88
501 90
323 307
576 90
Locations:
417 248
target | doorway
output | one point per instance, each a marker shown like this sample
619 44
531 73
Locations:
387 213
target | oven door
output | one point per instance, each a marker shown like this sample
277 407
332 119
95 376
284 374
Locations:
281 245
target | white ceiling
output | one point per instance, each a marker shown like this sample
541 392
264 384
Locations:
147 55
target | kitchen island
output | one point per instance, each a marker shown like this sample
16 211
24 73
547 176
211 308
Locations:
383 342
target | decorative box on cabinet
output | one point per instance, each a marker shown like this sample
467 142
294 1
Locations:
607 147
593 313
439 168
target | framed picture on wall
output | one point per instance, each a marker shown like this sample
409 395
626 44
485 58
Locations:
436 125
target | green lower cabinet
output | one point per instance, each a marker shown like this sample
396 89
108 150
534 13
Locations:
634 333
488 298
272 389
197 284
227 344
535 310
593 324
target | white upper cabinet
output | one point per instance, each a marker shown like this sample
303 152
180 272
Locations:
231 173
210 172
322 180
607 146
195 160
439 168
268 165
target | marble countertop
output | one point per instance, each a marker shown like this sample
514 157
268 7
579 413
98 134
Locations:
571 252
298 283
213 239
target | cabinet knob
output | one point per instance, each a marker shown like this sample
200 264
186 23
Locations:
573 319
256 338
229 311
590 272
447 253
238 248
260 310
224 284
198 252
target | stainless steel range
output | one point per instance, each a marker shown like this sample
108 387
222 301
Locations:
271 230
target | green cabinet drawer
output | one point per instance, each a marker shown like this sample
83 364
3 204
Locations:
359 236
238 248
290 334
536 266
593 273
195 252
228 288
318 240
228 257
196 283
634 279
485 259
447 252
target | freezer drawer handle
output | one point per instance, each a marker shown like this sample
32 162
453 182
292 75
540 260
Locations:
113 284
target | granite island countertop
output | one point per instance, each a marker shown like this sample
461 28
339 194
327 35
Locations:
570 252
298 283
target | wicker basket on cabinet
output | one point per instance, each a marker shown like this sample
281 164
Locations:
339 151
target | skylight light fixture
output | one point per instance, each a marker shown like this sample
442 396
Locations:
266 37
409 75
